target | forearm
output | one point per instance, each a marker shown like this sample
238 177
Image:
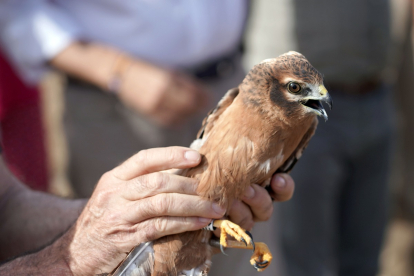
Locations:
49 261
89 61
32 219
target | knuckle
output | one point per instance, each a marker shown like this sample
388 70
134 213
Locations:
153 183
141 157
140 184
106 178
162 204
191 185
147 208
158 180
102 197
113 217
148 232
172 155
161 225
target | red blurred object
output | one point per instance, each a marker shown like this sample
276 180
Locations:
22 128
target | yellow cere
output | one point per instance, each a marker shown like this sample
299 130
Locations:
322 90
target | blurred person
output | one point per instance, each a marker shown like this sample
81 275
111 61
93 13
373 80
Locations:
22 128
102 234
334 225
146 71
398 253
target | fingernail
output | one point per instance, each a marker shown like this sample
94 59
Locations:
204 220
218 209
249 193
192 156
280 182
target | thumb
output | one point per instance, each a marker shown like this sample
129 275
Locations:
157 159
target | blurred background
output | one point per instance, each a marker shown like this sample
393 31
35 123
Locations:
85 84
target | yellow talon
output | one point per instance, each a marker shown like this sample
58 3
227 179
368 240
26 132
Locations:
229 228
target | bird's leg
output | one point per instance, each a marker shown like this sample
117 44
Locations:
261 257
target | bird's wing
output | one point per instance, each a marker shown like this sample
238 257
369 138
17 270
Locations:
139 261
297 153
214 114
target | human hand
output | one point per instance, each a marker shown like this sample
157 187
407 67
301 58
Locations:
167 97
257 204
135 203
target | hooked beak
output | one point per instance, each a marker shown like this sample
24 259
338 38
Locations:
314 102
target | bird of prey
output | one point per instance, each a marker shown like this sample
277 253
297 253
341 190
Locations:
259 128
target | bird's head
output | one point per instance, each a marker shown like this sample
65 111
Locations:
291 83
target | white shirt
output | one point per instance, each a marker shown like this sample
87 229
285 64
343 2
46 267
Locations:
174 33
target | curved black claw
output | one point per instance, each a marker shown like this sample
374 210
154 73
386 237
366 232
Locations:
214 242
243 240
251 236
260 265
222 250
263 263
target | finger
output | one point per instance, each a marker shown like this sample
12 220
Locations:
158 183
174 205
259 201
157 159
282 186
156 228
241 214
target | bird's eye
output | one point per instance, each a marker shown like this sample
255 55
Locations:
294 87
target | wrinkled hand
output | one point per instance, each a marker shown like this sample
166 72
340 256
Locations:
257 204
135 203
166 97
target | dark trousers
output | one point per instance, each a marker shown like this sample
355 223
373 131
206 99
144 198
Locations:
335 222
